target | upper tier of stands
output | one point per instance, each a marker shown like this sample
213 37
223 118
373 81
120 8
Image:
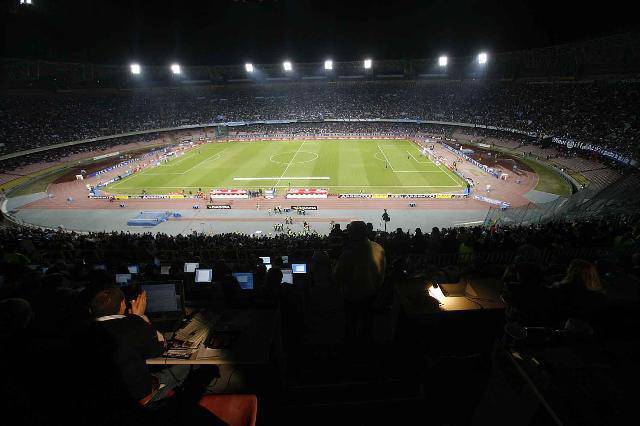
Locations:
600 113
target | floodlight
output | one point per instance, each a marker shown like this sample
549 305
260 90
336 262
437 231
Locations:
328 64
175 68
443 61
25 1
135 68
482 58
287 66
248 67
367 64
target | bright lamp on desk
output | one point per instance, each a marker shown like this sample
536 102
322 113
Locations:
436 292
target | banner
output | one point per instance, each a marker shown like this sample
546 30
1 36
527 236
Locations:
502 204
218 206
355 195
304 207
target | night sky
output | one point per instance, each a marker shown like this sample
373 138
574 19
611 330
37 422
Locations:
236 31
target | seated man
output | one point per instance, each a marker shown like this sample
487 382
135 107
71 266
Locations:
125 341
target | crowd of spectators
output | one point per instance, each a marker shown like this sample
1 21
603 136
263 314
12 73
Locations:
601 113
55 284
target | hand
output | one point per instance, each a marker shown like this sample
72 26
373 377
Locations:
139 304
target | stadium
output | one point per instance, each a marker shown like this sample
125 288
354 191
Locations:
452 239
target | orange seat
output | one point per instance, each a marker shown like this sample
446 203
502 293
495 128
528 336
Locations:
235 410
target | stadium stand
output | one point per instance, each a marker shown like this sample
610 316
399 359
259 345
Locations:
556 296
519 105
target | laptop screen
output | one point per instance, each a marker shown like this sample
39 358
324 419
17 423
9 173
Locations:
265 259
191 267
245 279
123 279
299 268
161 298
165 269
204 275
287 276
133 269
285 259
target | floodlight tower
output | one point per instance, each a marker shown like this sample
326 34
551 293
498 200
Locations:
248 67
175 69
483 58
287 66
328 65
443 61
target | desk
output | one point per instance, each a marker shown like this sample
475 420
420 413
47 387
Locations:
259 336
414 297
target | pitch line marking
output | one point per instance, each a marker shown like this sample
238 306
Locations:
385 157
297 162
206 159
419 162
290 178
290 163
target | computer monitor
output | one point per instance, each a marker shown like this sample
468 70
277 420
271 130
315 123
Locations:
133 269
123 279
285 259
245 279
299 268
163 297
265 259
191 267
165 269
204 275
268 266
287 276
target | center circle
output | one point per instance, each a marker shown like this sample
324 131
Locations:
301 157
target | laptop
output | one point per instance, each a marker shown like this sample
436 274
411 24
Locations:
123 279
133 269
203 275
285 259
191 267
165 269
287 276
165 303
299 268
245 279
265 259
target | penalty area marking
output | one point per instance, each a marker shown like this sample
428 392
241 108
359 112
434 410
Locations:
290 178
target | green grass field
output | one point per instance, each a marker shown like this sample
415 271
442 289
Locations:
341 166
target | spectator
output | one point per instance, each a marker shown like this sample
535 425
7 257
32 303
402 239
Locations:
360 272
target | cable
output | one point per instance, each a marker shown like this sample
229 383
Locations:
230 376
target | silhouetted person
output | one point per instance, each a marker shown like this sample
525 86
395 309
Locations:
360 273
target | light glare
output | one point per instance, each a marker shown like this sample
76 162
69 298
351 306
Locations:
328 64
248 67
135 69
482 58
443 61
367 64
436 293
175 68
287 66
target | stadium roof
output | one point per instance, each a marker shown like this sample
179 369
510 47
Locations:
265 31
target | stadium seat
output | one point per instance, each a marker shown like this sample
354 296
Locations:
235 410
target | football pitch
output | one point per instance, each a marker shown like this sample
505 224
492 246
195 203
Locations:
341 166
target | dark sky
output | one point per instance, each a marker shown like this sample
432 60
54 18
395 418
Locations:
235 31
